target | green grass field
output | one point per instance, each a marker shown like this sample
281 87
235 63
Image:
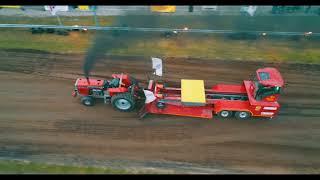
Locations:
185 45
23 39
221 22
21 167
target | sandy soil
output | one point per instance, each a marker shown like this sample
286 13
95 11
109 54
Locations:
39 117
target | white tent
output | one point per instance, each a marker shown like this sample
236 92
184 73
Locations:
55 9
251 10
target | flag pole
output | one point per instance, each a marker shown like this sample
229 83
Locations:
59 20
95 16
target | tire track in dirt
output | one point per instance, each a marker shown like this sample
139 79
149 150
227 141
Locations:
40 116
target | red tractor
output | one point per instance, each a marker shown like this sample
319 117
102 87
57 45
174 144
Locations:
251 98
122 91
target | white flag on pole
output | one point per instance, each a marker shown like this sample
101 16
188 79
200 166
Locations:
157 66
149 96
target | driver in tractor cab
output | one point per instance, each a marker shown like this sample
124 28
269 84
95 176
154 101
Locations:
268 85
106 85
114 83
265 91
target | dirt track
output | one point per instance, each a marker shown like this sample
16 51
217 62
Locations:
38 116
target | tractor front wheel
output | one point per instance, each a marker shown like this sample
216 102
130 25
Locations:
87 101
123 102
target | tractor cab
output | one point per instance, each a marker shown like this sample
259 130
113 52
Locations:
268 84
120 80
98 87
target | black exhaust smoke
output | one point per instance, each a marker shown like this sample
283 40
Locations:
95 52
104 42
107 40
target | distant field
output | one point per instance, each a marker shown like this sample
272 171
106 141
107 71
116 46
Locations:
184 45
66 20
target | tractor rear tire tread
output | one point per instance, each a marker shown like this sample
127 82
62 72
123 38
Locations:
127 96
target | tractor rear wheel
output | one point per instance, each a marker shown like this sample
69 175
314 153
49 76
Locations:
242 115
123 102
87 101
225 114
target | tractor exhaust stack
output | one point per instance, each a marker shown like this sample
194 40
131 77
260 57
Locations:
88 80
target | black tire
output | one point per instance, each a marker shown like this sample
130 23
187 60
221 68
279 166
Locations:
87 101
242 115
36 30
225 114
50 30
33 30
123 102
41 30
62 32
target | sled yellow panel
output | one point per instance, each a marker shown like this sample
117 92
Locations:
192 91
